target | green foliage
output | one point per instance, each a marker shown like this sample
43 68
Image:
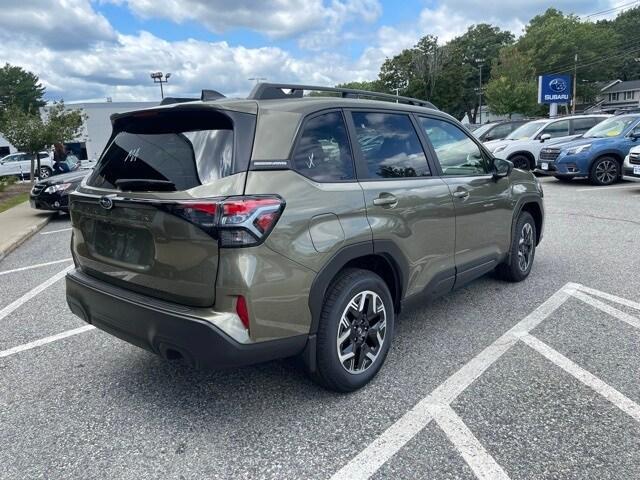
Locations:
20 89
31 133
373 86
447 75
513 87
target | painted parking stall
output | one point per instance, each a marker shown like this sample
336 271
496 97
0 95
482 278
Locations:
494 381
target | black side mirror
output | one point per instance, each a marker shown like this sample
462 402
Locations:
501 168
635 135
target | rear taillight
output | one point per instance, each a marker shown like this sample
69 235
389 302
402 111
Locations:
234 221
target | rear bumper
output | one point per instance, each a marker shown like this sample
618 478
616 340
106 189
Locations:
151 324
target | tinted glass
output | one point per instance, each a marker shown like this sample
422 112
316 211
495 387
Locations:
456 152
186 159
557 129
323 152
390 145
501 131
527 130
581 125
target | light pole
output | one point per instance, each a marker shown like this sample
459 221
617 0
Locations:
159 77
257 79
479 65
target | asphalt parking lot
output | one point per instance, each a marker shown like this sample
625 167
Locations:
532 380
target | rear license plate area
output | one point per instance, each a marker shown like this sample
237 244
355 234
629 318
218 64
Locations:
123 244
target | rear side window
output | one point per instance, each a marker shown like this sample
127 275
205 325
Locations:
581 125
182 154
323 153
557 129
390 145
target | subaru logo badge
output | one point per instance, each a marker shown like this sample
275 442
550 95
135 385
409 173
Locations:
106 203
558 85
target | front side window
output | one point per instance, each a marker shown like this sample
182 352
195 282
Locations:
323 153
557 129
456 152
390 145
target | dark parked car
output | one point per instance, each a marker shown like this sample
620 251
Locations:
497 130
53 192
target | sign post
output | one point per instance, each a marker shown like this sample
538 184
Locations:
554 90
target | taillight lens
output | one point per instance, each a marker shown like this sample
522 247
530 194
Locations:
242 311
247 221
235 221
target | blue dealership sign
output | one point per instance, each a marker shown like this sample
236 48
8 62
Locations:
554 89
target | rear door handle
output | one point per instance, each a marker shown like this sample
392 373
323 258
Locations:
385 199
461 193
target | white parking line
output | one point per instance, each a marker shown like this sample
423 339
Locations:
44 341
33 292
608 296
56 231
614 312
614 396
482 464
599 189
38 265
369 460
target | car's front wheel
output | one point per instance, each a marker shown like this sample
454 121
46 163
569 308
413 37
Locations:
45 172
605 171
355 331
521 162
518 264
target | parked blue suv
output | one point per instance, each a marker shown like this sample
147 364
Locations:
598 154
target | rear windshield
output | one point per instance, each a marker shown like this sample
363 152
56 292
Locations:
167 151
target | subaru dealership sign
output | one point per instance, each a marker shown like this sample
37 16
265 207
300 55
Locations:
554 89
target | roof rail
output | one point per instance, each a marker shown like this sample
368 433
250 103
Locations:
274 91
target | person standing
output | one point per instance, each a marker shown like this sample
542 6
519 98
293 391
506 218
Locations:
59 159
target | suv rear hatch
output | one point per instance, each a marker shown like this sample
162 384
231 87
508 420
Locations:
147 217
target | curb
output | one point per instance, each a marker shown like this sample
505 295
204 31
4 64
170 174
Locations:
26 235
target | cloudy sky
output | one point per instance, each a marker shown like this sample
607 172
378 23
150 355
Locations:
84 49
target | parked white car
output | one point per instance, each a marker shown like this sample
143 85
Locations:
19 164
523 145
631 166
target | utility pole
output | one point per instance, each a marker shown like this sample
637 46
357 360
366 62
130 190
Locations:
397 93
575 76
159 77
480 94
257 79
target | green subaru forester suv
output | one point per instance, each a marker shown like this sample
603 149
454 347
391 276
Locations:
226 232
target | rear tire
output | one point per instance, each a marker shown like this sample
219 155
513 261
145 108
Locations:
521 162
355 331
518 264
604 171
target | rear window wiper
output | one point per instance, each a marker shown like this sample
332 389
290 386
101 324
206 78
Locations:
145 184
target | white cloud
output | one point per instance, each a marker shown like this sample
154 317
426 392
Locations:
67 24
275 18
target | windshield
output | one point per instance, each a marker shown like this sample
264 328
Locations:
611 127
527 130
483 129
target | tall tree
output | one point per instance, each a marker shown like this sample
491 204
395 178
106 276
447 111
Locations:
20 89
29 133
512 88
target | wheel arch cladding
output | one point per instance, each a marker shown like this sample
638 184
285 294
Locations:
383 263
617 156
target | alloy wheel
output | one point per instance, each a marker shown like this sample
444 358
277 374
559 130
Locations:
525 247
44 173
607 171
361 332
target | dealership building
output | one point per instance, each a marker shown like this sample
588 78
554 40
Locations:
96 129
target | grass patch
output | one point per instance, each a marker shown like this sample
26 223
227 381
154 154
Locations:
13 201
